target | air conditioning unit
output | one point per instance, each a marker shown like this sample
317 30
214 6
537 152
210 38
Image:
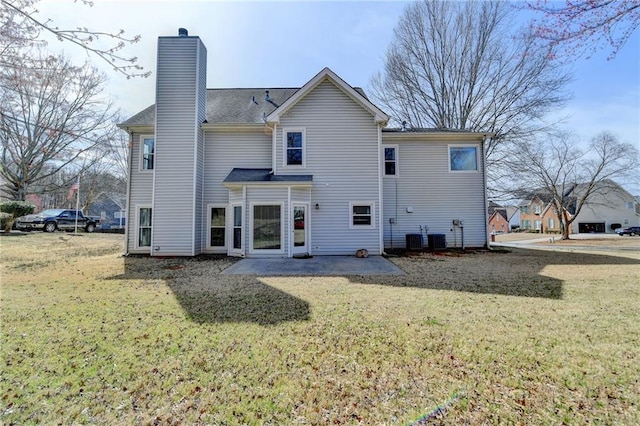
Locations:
415 242
437 241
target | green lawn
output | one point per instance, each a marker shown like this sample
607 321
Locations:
520 337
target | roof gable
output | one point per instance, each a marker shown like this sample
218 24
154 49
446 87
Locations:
327 75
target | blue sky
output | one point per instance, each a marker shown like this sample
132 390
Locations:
284 44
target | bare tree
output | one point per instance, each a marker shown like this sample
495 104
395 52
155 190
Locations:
21 26
51 118
583 26
460 65
117 151
553 165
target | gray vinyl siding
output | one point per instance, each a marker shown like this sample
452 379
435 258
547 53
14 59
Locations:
436 195
177 213
301 195
200 214
342 155
140 192
225 151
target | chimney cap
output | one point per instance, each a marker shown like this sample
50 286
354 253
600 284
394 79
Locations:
182 32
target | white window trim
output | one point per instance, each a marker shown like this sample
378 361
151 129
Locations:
478 164
286 130
397 161
141 156
253 250
226 228
372 204
137 227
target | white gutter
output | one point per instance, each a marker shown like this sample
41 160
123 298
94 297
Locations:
380 195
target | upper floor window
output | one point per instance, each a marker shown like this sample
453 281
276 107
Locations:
536 209
294 147
463 158
390 160
148 151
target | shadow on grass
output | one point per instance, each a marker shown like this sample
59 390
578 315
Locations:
12 233
206 297
514 272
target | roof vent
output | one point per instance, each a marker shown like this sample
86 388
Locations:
182 32
266 96
404 126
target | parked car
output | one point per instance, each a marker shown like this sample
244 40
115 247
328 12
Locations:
631 230
54 219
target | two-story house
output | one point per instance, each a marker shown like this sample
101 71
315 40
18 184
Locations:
498 223
531 214
289 171
610 206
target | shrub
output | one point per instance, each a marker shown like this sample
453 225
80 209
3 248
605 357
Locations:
4 218
14 209
615 226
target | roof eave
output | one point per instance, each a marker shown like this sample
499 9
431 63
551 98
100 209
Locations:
268 183
232 126
137 128
437 135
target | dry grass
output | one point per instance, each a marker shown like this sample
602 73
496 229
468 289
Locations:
520 337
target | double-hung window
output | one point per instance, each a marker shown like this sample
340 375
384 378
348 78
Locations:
463 158
217 226
361 215
390 160
148 152
144 227
294 147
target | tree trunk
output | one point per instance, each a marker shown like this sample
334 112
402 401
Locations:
565 225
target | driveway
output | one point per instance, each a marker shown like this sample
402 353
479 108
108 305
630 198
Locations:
317 265
588 242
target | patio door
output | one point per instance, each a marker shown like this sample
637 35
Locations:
299 229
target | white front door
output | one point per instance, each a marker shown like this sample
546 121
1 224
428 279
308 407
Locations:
299 229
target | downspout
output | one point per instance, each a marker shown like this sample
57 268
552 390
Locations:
244 222
380 197
273 145
289 222
486 202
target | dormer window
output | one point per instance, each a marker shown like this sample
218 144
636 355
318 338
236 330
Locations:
294 147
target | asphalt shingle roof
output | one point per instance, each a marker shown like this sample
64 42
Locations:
239 175
231 106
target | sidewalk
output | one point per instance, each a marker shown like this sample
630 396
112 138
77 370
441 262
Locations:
592 242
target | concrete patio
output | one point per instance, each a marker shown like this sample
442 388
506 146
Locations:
317 265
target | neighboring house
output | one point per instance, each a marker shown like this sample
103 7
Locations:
110 208
531 214
498 223
609 207
290 171
550 222
513 215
